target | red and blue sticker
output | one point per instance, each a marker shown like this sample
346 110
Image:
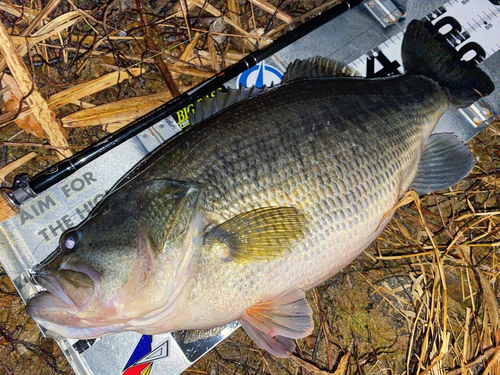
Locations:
142 359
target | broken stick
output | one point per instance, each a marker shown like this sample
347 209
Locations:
271 9
34 99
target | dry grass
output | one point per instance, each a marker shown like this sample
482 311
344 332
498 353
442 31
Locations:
422 300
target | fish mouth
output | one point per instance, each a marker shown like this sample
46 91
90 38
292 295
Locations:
48 282
60 319
67 305
70 288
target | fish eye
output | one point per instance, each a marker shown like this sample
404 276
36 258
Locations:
70 241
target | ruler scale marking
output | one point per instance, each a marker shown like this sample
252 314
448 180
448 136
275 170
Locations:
467 27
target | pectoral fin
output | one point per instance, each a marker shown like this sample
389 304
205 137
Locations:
444 162
257 235
274 325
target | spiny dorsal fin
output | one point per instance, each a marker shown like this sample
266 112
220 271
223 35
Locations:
274 324
317 67
444 162
207 107
256 236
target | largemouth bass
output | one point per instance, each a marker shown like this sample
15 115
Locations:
238 217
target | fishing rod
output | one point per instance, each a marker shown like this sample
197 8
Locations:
25 187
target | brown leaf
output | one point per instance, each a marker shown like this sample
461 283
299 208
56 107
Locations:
25 120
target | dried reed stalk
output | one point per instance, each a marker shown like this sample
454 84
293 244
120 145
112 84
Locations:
271 9
151 46
9 168
37 104
49 30
234 11
88 88
115 114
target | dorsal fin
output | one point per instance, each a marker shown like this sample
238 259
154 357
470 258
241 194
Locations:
317 67
207 107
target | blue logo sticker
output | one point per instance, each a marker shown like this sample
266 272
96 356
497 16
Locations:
259 76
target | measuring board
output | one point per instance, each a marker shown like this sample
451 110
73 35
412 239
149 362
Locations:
468 26
368 38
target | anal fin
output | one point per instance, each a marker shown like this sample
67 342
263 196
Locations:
274 325
191 336
444 162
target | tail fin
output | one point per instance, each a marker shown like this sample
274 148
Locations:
425 54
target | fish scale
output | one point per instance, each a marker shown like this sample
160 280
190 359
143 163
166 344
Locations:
321 172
